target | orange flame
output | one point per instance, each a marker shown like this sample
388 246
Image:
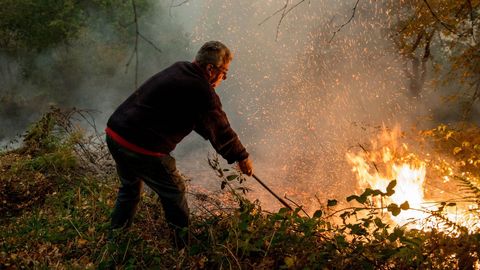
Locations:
389 160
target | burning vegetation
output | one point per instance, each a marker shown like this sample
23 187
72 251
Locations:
391 168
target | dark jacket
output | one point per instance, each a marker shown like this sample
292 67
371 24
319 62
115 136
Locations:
168 106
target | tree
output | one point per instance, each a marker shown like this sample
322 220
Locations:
446 32
34 26
78 53
437 40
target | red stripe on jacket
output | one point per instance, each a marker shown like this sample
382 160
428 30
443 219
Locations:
130 146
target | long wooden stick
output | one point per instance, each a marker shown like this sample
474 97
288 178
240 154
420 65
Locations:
273 193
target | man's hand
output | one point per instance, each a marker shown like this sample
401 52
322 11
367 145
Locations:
246 166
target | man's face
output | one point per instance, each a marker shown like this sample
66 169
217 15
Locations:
218 74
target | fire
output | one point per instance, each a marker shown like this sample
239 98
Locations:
389 160
410 180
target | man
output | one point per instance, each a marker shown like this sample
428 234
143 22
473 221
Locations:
145 128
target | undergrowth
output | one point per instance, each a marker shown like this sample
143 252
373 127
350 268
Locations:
57 191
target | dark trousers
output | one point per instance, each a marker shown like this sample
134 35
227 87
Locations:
160 174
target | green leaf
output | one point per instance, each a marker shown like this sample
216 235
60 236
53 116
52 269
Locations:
410 242
379 222
362 199
394 209
357 229
390 187
332 203
352 197
283 211
232 177
223 184
405 206
396 234
367 192
340 241
345 215
318 214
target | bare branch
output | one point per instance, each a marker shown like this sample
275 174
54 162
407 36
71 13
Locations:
138 35
365 150
281 18
172 5
354 9
129 60
150 42
297 205
275 13
180 4
284 10
134 6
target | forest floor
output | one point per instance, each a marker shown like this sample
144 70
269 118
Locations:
57 191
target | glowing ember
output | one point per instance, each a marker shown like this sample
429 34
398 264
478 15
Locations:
387 161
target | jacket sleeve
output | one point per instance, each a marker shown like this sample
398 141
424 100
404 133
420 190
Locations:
213 125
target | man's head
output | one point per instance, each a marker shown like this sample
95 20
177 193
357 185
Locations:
214 57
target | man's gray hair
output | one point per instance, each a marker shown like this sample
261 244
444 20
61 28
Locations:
213 52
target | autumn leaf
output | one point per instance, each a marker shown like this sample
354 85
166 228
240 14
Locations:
289 261
81 242
442 128
427 133
449 135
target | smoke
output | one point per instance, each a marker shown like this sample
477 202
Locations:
301 101
298 101
94 71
